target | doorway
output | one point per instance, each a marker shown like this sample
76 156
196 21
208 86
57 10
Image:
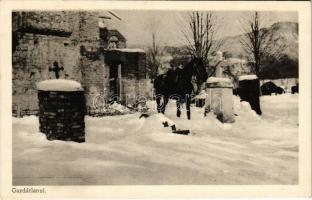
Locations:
115 82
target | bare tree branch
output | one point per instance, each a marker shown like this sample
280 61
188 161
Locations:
256 42
200 35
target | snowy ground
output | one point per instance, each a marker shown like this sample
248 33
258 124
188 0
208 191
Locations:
128 150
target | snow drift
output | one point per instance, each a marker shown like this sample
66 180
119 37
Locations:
128 150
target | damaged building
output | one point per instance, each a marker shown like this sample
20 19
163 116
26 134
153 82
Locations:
74 45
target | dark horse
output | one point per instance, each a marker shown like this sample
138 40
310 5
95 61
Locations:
177 84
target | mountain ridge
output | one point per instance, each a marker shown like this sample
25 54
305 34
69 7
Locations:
280 32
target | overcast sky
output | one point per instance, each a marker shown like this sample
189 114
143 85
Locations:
137 26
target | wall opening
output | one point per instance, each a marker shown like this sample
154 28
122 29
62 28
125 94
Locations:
115 81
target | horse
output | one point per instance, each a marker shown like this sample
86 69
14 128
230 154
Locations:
177 84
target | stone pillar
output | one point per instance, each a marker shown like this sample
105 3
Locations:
61 110
249 90
219 99
219 70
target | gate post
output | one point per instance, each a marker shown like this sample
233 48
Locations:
249 90
219 99
61 110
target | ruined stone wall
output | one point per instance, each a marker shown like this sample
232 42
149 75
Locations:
42 38
92 62
46 37
95 80
58 21
39 39
134 73
146 88
145 84
89 33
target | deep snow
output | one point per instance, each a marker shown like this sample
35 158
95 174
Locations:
247 77
128 150
59 85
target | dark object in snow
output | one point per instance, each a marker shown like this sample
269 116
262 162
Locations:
165 124
181 132
236 91
173 128
200 102
143 115
269 88
61 115
177 84
249 90
295 89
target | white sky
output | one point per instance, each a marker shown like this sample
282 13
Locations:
137 26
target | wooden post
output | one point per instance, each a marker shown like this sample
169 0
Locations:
19 112
119 83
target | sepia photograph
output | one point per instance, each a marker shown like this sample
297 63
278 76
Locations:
104 97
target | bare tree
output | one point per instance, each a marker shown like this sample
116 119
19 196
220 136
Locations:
200 35
257 43
153 60
153 51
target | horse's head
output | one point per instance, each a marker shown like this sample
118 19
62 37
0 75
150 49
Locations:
198 70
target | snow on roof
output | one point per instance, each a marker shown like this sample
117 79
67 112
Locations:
59 85
104 16
236 60
114 14
167 58
108 14
130 50
247 77
217 79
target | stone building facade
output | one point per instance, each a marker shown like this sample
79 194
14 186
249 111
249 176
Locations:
78 46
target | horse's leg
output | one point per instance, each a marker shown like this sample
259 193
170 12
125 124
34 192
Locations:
188 106
158 99
178 108
163 108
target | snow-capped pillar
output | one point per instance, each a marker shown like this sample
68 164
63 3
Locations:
61 110
249 90
219 99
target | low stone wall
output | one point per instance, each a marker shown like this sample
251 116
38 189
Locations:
61 115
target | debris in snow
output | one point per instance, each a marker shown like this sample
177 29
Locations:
168 122
59 85
143 115
165 124
247 77
163 118
116 108
181 132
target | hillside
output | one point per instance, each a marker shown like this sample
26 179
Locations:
281 33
